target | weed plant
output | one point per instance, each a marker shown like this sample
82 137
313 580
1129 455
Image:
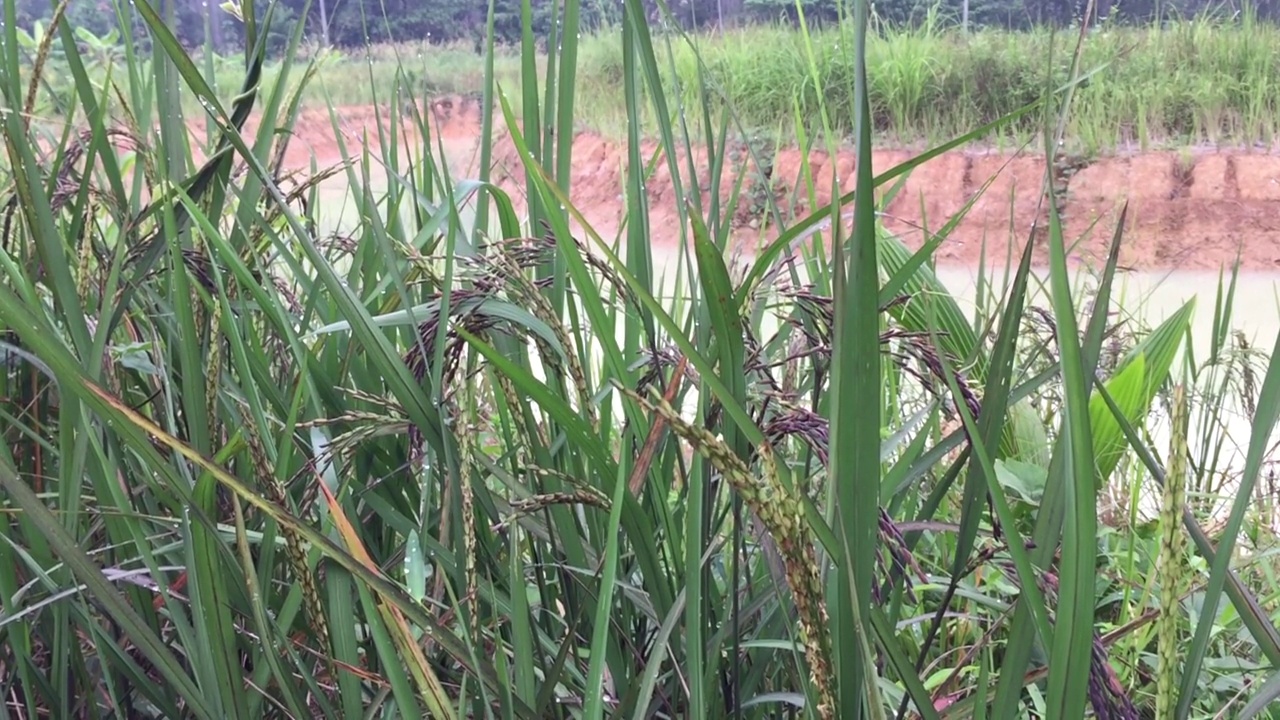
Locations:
463 463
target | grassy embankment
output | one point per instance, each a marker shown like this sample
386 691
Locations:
1194 82
250 469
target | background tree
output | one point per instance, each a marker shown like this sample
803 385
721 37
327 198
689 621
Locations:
353 23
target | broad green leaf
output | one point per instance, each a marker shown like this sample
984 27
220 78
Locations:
1126 386
1026 479
1134 386
1025 435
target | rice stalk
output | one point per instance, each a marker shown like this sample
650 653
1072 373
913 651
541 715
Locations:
274 490
84 262
782 515
213 380
584 496
466 432
1169 563
38 66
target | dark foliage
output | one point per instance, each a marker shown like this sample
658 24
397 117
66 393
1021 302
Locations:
353 23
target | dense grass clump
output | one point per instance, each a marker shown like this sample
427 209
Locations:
1188 82
453 461
1194 81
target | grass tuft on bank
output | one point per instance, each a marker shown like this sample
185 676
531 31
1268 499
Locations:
1200 81
1203 81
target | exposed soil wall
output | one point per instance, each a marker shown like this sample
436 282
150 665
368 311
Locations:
1185 210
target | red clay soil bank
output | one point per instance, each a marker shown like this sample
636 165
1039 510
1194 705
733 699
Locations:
1192 212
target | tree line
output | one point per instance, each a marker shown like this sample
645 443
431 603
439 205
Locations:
354 23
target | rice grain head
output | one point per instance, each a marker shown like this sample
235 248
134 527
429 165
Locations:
782 514
1169 562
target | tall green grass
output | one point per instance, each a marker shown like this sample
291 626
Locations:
472 464
1195 81
1199 80
1202 80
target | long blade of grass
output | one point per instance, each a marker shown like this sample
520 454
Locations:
990 421
432 691
855 412
1072 649
1049 519
168 665
594 709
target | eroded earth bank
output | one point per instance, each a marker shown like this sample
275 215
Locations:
1186 210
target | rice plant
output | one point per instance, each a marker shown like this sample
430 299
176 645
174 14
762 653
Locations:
455 460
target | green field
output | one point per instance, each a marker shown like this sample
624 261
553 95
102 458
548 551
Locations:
1191 83
446 460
